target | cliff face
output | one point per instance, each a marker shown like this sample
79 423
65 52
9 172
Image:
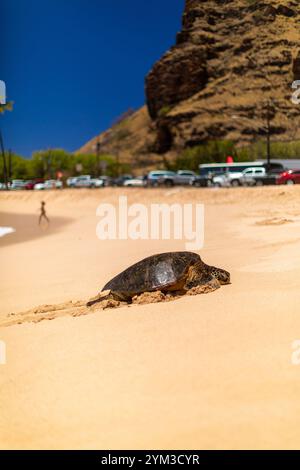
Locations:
234 61
296 67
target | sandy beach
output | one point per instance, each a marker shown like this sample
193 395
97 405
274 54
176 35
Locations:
211 371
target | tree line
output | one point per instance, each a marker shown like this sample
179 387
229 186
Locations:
51 163
218 150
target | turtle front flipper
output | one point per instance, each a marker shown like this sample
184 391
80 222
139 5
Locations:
209 285
200 280
103 295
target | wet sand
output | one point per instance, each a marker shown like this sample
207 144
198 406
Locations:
26 227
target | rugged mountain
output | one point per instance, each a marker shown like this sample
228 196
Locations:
232 67
130 140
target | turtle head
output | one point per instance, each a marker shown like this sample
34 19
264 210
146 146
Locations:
220 274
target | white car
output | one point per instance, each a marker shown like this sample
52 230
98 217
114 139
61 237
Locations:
221 181
136 182
86 181
39 186
53 184
253 176
49 184
97 183
17 184
83 181
71 181
229 178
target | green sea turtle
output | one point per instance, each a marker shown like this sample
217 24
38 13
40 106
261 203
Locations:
176 271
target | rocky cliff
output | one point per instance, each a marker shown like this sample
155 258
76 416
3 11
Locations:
233 64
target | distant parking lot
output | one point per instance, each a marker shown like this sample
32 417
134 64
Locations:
210 175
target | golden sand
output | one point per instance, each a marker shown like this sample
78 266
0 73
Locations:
204 371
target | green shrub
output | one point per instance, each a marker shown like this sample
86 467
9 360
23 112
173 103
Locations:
217 151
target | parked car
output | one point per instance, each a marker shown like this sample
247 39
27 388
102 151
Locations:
269 178
253 176
237 178
97 183
120 180
49 184
261 177
200 181
39 186
222 180
157 177
107 180
289 177
234 178
53 184
139 181
170 178
182 177
86 181
31 183
83 181
71 181
17 185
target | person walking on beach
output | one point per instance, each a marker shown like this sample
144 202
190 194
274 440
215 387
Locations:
43 214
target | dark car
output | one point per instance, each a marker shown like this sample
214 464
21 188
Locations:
120 180
200 181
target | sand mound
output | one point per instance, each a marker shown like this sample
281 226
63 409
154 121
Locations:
45 312
274 221
80 307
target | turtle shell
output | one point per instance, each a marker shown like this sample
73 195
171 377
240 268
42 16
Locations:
153 273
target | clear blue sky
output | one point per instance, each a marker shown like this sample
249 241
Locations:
73 66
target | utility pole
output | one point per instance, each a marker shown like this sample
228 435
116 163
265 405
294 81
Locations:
268 117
